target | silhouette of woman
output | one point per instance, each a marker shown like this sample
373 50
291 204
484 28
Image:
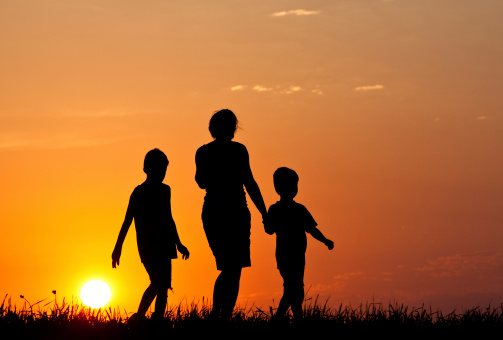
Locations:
223 168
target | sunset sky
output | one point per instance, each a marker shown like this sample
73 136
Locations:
390 111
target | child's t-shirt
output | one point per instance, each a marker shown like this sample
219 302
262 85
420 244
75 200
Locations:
155 228
290 221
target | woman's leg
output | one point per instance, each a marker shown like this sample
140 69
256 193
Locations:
225 292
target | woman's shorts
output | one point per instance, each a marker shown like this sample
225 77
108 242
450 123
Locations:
228 234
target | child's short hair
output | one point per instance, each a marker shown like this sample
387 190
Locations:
223 123
284 179
155 159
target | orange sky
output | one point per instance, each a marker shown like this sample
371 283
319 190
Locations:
389 110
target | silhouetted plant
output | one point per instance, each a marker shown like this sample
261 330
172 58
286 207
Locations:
75 320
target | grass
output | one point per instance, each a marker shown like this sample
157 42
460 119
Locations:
53 320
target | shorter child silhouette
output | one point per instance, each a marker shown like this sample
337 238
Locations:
290 221
156 233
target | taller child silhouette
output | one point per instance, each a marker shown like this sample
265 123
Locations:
156 234
223 170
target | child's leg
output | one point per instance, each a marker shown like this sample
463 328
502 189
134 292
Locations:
285 301
161 301
293 292
297 298
160 280
146 300
297 292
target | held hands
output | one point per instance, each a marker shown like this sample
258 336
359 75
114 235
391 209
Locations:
267 225
183 250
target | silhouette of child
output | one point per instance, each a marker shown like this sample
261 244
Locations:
156 233
290 221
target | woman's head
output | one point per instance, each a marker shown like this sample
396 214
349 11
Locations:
223 124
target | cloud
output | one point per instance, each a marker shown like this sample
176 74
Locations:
342 281
281 90
369 88
292 89
297 12
260 88
58 141
98 113
347 276
459 264
237 88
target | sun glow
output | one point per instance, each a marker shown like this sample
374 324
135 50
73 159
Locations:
95 294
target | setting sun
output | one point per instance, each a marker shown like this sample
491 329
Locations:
95 294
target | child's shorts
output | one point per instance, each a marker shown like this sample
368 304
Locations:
293 276
159 272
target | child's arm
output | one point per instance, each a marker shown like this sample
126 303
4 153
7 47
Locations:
116 254
181 248
316 233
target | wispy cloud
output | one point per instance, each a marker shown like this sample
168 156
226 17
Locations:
292 89
237 88
347 276
98 113
461 264
62 141
283 90
260 88
297 12
369 88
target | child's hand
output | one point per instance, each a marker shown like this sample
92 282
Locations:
268 228
116 255
183 250
329 244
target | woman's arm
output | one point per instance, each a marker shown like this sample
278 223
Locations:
252 187
200 176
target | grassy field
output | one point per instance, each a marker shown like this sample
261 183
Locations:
63 320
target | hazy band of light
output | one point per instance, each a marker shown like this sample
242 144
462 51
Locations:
369 88
295 12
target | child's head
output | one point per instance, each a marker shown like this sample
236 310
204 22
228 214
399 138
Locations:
155 164
223 124
286 182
